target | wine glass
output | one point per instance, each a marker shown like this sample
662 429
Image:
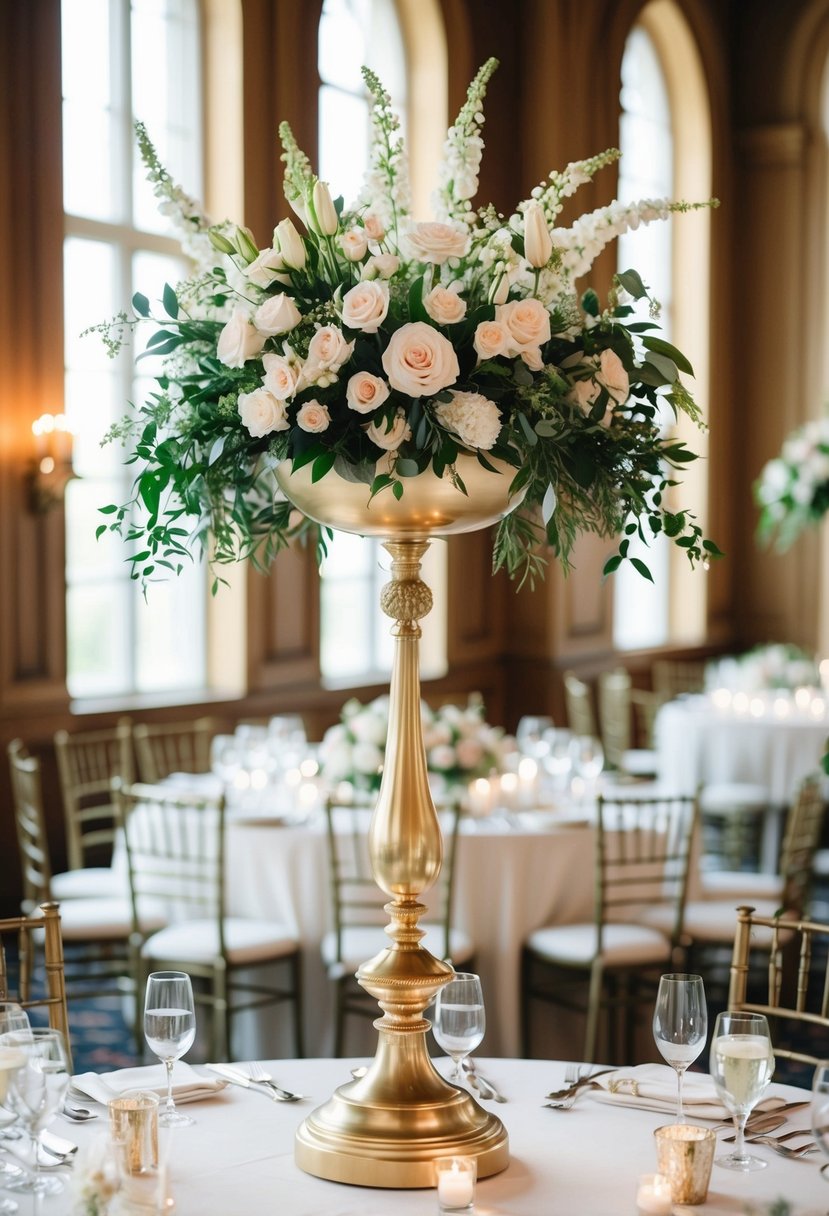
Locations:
459 1018
820 1109
680 1024
13 1017
742 1063
170 1028
38 1078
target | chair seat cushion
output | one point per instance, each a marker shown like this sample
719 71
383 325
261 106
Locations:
246 941
623 945
732 797
97 882
640 762
362 942
714 921
741 886
104 919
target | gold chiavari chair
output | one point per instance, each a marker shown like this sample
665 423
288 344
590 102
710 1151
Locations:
32 935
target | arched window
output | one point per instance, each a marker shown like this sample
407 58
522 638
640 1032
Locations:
665 139
355 640
146 61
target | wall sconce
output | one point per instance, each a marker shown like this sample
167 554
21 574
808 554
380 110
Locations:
52 470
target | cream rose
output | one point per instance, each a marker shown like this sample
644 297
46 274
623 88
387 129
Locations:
313 417
583 394
239 340
419 361
527 321
365 306
265 268
472 417
381 266
328 348
354 244
612 376
390 438
492 338
445 306
436 242
373 226
281 375
262 413
365 392
277 315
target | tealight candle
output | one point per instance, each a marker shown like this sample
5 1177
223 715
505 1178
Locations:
456 1183
802 698
721 697
740 702
653 1198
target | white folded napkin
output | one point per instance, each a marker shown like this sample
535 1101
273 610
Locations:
188 1085
653 1087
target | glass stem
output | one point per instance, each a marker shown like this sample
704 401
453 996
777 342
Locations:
680 1073
739 1138
170 1106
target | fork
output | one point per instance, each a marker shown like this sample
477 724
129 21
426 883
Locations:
802 1150
572 1076
258 1074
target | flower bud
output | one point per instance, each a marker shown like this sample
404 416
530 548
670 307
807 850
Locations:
499 291
322 213
538 244
219 242
291 244
246 245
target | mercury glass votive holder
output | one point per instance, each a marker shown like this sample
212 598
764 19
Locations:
685 1153
456 1177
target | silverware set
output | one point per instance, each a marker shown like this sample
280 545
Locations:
257 1080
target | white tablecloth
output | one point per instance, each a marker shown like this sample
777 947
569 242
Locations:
508 883
698 744
238 1158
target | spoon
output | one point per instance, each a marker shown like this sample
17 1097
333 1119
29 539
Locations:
77 1114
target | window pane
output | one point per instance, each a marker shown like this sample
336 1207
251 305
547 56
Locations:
342 42
87 558
346 629
170 644
90 292
343 145
98 639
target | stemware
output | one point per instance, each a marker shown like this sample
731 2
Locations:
820 1109
38 1078
530 733
13 1017
680 1024
558 760
170 1029
459 1018
741 1063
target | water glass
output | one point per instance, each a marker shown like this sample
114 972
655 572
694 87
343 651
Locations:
459 1018
37 1078
170 1029
680 1024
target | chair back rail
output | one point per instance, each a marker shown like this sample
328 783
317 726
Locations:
88 761
181 747
28 932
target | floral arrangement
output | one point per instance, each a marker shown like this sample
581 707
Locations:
775 665
378 348
793 489
459 744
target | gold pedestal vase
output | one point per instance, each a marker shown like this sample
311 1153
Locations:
387 1128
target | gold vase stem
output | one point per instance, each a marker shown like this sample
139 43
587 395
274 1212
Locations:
387 1128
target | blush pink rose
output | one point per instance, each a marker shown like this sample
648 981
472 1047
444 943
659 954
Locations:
492 338
436 242
390 438
445 306
365 392
262 413
239 340
419 361
313 417
527 321
365 306
612 375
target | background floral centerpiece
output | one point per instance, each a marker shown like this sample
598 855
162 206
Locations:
378 348
775 665
793 489
460 745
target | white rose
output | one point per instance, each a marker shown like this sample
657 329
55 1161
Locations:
265 268
277 315
442 758
367 758
328 349
492 338
365 392
381 266
390 438
470 753
239 340
313 417
419 361
527 321
262 413
369 728
472 417
612 375
365 306
354 244
445 306
337 760
436 242
281 375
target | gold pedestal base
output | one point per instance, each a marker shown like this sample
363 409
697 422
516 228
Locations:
387 1128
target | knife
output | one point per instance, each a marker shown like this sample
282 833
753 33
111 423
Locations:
239 1078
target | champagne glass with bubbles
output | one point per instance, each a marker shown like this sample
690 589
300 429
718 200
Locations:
741 1063
170 1028
459 1018
680 1025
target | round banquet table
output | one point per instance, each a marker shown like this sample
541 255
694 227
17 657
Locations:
238 1158
508 882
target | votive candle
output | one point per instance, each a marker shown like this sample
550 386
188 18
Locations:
456 1183
653 1198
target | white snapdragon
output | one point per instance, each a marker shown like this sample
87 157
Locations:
461 159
